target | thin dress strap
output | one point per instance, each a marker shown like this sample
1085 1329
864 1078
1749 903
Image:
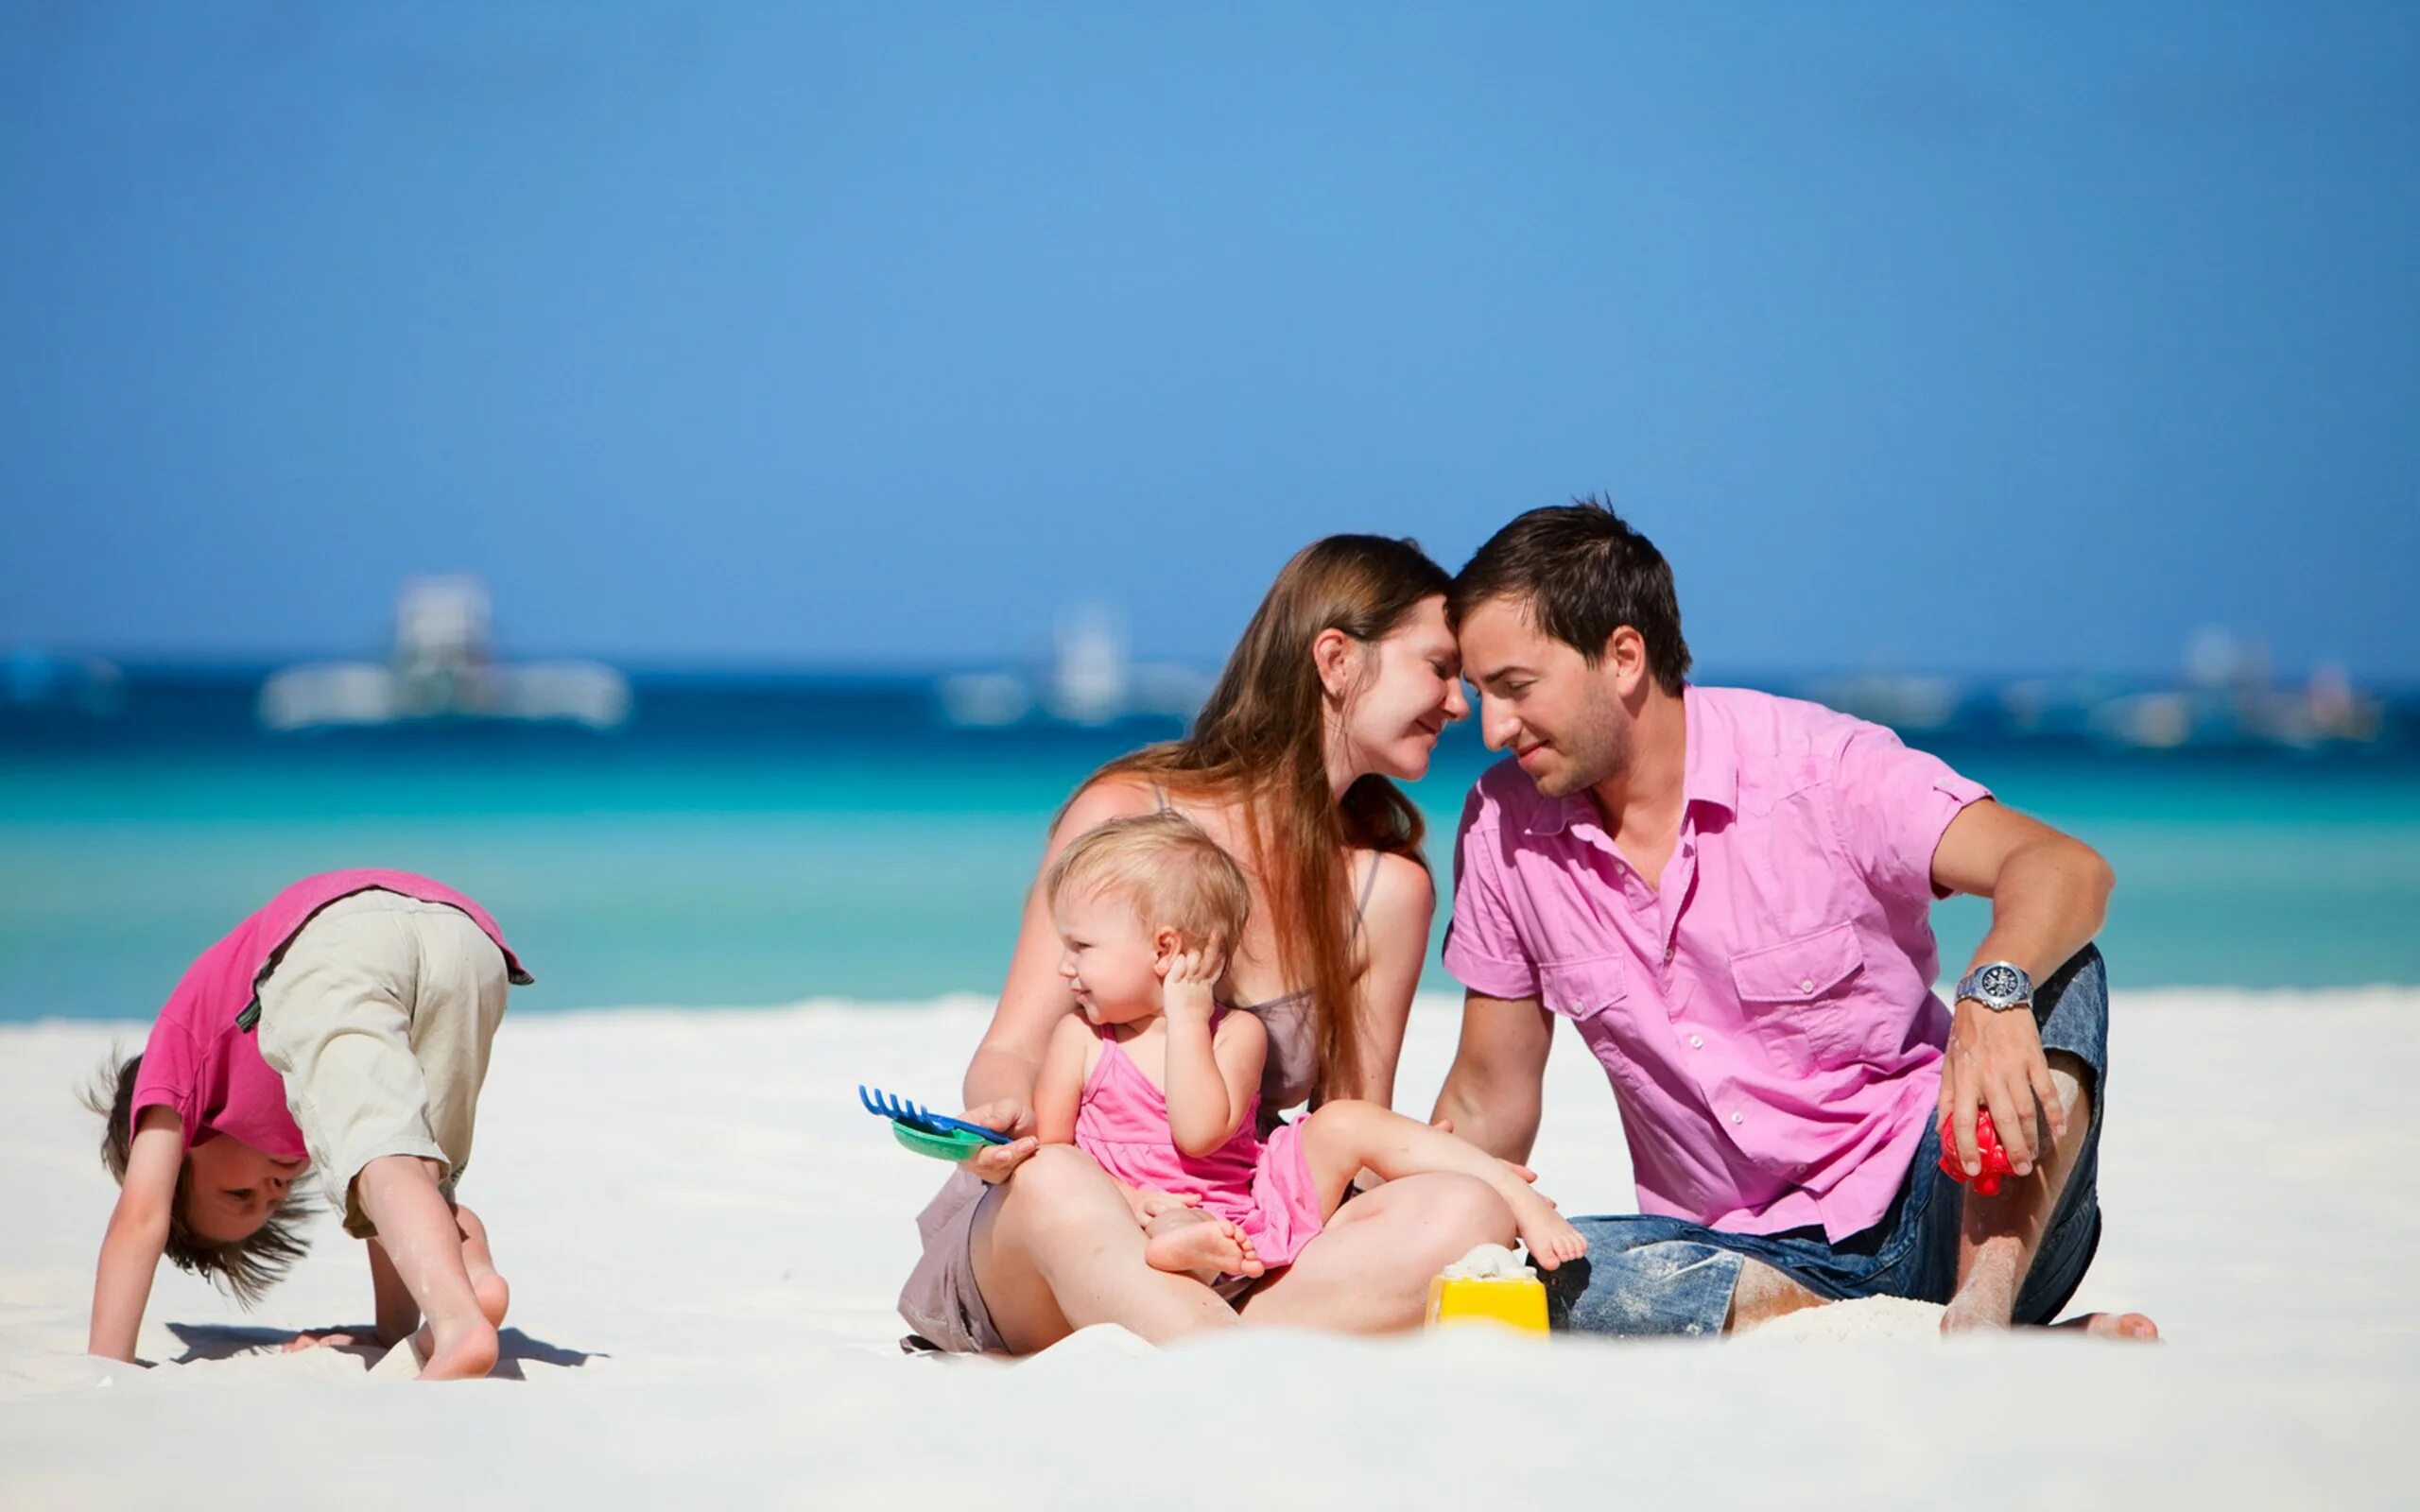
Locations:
1369 886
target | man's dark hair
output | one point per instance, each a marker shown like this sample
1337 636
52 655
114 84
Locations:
1581 573
247 1268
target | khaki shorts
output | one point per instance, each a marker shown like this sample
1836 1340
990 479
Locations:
378 1017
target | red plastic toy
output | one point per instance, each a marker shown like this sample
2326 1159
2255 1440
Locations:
1987 1144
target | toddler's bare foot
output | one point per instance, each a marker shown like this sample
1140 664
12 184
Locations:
461 1350
1547 1234
1188 1242
479 1263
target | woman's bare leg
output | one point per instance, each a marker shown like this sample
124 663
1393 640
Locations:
1058 1250
1368 1271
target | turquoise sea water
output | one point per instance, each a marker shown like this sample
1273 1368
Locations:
763 842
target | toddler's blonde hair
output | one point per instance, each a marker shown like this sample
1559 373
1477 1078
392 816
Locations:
1174 874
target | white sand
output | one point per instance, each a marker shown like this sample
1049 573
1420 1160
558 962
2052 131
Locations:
705 1235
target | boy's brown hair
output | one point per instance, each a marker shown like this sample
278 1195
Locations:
1175 874
246 1267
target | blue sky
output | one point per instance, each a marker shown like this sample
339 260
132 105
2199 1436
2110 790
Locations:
1918 337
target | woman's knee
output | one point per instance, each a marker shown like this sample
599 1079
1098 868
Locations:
1348 1118
1058 1185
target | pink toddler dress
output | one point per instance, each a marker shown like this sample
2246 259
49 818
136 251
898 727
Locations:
1264 1188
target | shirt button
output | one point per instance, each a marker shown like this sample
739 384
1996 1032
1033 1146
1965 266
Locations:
1737 1118
1806 984
1697 1041
1667 954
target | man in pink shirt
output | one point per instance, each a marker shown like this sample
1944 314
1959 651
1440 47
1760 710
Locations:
1728 894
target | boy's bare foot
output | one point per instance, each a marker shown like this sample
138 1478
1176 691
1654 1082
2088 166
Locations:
1547 1234
494 1295
1188 1242
460 1352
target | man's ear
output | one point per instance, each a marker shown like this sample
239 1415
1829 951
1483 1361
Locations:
1332 653
1625 659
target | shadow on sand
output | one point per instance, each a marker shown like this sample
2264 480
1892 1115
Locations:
224 1340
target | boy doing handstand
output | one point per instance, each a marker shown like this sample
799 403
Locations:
343 1029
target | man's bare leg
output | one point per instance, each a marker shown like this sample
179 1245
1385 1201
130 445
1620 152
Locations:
1059 1249
1763 1293
418 1231
2001 1235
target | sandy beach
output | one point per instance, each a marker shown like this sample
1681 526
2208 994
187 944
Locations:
705 1235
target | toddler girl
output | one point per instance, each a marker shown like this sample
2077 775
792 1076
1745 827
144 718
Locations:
1160 1084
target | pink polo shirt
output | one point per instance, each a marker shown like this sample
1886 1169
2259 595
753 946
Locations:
204 1061
1766 1016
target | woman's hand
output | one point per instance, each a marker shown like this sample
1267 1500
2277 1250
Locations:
994 1163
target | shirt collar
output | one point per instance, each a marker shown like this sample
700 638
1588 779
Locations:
1710 774
1711 771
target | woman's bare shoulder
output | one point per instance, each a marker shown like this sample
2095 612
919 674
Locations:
1401 892
1113 797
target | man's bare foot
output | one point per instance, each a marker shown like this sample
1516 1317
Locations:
1547 1234
2130 1326
1188 1242
460 1352
479 1263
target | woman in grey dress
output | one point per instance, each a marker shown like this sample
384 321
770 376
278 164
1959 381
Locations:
1337 690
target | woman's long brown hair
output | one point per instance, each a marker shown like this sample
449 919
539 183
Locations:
1260 742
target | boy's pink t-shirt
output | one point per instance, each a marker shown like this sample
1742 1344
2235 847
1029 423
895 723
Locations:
204 1064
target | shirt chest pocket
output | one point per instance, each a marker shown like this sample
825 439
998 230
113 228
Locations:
1590 994
1799 997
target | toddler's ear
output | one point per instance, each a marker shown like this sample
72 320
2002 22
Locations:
1166 943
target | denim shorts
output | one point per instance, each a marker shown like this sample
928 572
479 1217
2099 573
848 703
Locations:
1648 1276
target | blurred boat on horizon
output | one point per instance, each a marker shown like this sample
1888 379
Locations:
442 668
1092 681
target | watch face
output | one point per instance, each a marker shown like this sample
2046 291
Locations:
1999 984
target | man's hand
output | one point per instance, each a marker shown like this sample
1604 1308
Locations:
994 1162
1995 1061
1185 991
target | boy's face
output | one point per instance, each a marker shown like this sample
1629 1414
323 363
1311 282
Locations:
235 1189
1111 961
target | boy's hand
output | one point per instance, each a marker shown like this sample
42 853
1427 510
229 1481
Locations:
335 1338
1184 995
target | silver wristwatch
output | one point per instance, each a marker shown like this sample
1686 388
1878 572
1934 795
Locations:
1998 986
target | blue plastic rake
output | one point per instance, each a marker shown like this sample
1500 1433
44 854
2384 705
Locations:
924 1120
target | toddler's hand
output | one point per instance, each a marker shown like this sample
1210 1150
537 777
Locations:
1148 1203
1185 992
